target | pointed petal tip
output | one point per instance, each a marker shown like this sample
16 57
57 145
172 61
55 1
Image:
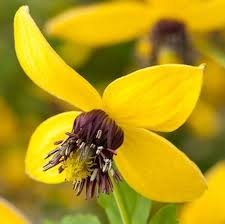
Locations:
202 67
23 8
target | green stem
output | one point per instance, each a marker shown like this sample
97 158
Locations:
209 49
120 204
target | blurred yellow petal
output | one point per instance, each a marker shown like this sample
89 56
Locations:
213 17
158 98
157 169
204 121
214 83
42 142
209 209
10 215
46 68
75 54
9 124
191 13
168 10
166 4
102 24
17 179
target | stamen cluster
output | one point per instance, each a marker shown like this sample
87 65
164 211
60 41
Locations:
90 148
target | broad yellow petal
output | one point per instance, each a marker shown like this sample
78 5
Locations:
211 206
10 215
42 142
157 169
159 98
46 68
102 24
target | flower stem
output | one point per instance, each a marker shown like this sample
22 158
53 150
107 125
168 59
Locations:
120 204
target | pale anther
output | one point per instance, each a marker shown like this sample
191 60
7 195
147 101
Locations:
99 134
99 149
94 174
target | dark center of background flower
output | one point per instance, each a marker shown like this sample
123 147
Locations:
86 155
171 34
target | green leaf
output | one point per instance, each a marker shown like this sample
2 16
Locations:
80 219
137 206
166 215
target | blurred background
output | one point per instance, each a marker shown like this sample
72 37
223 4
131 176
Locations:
23 106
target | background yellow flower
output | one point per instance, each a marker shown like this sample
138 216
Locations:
210 207
10 215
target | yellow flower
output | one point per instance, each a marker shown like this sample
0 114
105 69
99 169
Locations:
161 28
10 215
112 22
157 98
208 209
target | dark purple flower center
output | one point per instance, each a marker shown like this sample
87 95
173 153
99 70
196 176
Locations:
172 34
87 153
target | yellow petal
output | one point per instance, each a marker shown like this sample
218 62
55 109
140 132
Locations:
75 54
102 24
159 98
191 13
42 142
168 10
46 68
209 209
10 215
157 169
166 4
212 19
204 121
214 83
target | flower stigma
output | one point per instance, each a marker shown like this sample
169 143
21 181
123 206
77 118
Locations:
86 155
